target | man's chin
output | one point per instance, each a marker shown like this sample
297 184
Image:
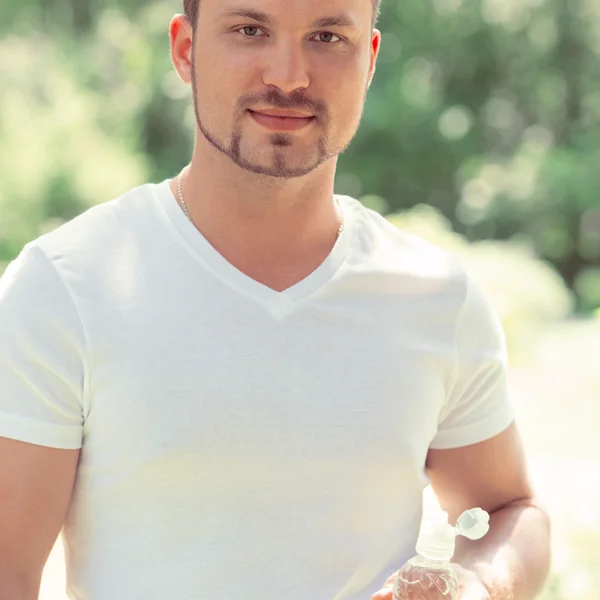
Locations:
275 172
280 166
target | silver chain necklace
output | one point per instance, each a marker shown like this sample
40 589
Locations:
186 212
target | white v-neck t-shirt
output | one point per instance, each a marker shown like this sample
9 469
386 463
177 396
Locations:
239 443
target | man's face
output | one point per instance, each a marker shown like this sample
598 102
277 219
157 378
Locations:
306 58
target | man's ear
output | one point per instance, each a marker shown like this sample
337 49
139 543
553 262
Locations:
181 39
375 47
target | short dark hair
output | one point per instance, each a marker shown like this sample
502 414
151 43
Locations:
190 9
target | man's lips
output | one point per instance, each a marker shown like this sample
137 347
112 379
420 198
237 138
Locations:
277 120
283 112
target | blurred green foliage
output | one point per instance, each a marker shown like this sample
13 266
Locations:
486 110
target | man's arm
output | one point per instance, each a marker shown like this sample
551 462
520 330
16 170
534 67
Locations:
36 484
513 559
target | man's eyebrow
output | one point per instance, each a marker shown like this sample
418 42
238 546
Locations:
255 15
337 21
262 17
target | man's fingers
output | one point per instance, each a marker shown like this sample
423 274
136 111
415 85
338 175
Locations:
385 593
387 589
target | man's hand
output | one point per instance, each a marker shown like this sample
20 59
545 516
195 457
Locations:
470 587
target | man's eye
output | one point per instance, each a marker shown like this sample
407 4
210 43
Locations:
326 37
250 31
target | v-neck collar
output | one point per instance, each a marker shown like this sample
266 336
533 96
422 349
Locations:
278 304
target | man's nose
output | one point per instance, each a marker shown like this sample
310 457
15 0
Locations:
287 68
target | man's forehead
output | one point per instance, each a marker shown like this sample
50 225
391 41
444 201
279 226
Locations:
338 20
315 13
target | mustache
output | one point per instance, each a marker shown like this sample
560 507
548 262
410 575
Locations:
297 100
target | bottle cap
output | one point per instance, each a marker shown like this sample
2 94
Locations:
437 538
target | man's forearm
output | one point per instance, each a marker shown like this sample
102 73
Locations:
12 588
513 559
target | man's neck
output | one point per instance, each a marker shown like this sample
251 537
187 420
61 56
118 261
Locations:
275 231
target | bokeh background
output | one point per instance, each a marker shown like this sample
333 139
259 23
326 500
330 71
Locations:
481 133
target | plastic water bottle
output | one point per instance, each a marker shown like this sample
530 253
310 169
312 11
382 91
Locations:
430 574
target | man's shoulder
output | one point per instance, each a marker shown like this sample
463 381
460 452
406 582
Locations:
100 227
403 252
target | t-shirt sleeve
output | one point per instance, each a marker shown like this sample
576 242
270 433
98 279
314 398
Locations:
478 406
41 355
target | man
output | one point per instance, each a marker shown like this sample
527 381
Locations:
235 384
